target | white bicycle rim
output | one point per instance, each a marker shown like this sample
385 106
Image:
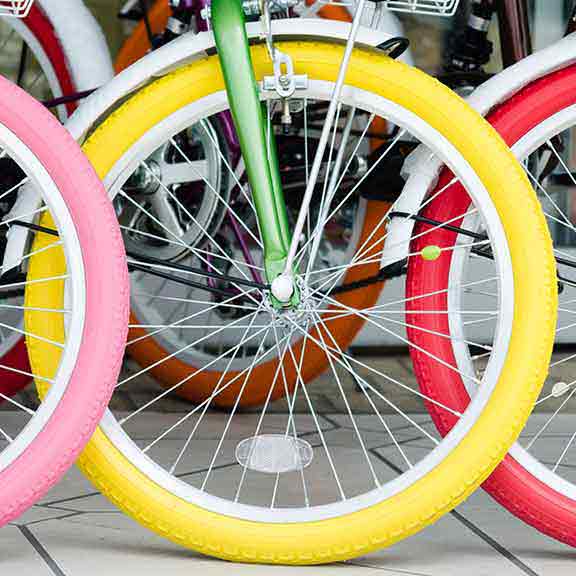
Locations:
75 292
399 116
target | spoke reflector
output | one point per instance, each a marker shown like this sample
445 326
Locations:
274 453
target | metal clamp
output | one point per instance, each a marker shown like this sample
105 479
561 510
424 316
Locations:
284 81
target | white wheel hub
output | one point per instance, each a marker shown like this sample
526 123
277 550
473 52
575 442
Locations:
283 287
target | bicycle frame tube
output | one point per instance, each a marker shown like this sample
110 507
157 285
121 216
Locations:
571 27
514 30
261 167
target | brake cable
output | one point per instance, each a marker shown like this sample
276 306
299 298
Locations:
394 270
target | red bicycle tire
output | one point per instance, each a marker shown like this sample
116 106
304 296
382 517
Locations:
511 485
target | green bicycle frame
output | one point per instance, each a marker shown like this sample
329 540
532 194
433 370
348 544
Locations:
261 160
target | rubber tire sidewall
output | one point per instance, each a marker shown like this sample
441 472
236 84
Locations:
92 381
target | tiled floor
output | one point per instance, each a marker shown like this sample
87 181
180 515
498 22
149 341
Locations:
75 531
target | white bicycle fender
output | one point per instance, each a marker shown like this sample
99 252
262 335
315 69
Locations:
422 170
83 42
193 46
510 81
87 56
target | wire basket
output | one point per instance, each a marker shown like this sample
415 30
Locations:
15 8
430 7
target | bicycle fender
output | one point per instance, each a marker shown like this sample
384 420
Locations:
190 47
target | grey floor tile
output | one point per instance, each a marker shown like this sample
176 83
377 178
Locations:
543 555
447 548
18 556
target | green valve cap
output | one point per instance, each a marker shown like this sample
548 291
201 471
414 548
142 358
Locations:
431 253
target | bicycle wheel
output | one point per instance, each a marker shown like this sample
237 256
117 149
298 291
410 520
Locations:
536 481
338 469
39 441
33 58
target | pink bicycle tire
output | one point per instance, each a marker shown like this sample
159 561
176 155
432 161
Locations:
55 447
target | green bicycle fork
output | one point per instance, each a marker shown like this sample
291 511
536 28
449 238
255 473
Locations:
261 160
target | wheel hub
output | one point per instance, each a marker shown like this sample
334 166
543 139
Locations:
282 288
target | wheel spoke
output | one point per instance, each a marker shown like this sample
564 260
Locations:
549 420
564 452
345 400
217 330
202 404
220 199
257 357
213 306
183 244
218 385
339 359
313 412
267 403
411 344
368 398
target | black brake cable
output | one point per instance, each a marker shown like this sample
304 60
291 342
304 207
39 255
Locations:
387 273
173 266
183 281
